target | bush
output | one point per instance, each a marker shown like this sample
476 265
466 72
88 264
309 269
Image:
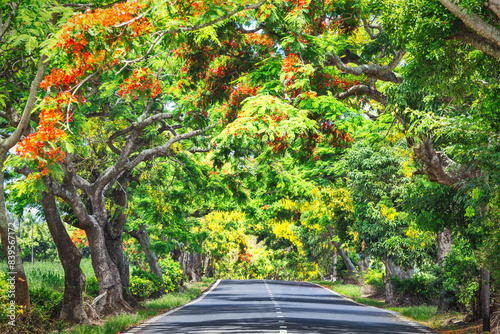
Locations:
141 288
461 274
92 286
172 273
421 287
41 317
374 278
46 303
154 287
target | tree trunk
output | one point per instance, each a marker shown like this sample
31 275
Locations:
32 227
143 237
74 279
445 243
114 242
10 247
351 269
334 267
115 249
110 299
389 291
364 262
485 299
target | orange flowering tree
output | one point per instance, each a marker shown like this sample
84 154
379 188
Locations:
107 109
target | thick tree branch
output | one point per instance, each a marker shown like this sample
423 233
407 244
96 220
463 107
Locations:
375 71
494 5
440 168
69 194
473 21
163 149
199 150
365 90
8 143
479 42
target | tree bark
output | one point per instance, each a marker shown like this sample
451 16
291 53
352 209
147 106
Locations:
110 300
364 262
351 269
389 290
445 243
10 247
21 284
334 266
485 299
473 21
114 240
74 279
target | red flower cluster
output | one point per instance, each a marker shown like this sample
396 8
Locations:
36 146
78 26
260 39
291 64
245 257
61 79
142 82
79 238
238 94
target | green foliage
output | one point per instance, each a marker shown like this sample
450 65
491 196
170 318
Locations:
374 278
143 288
47 303
145 285
172 273
461 273
421 287
419 313
92 286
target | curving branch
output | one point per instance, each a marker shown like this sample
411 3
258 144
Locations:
441 169
162 150
8 143
371 92
369 28
5 26
494 5
200 150
479 42
374 71
70 195
473 21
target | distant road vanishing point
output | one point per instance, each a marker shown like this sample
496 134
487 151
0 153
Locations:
275 307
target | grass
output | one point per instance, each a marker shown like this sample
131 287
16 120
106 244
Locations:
49 274
153 307
348 290
420 313
371 302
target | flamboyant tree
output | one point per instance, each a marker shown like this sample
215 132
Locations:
102 54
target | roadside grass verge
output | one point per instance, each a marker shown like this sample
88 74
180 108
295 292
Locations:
348 290
423 313
153 307
49 274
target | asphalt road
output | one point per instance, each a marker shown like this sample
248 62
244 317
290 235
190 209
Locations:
274 307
